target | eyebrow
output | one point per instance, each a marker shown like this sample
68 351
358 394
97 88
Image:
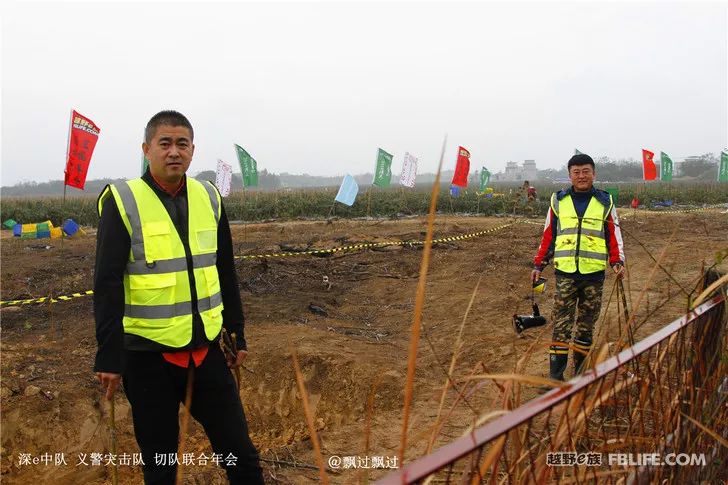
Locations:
169 138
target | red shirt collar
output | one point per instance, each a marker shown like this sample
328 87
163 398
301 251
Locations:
171 191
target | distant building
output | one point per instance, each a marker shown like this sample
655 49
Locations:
516 173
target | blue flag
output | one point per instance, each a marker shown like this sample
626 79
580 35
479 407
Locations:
348 190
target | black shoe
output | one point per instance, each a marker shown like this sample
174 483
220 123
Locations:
522 322
557 366
518 324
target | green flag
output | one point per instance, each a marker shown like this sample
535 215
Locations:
383 173
248 167
614 192
145 162
484 178
577 152
665 167
723 170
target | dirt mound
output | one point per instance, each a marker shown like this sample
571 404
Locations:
347 314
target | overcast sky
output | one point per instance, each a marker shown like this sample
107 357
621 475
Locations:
317 87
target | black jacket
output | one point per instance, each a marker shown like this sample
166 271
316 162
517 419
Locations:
113 245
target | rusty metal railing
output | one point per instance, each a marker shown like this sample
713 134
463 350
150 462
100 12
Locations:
666 396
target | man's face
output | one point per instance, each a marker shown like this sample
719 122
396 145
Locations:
582 177
169 153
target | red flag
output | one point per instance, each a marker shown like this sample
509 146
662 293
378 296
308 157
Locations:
462 168
83 137
649 170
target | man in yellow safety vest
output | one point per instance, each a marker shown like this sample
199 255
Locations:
583 237
164 288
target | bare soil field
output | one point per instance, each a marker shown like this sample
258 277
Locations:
351 335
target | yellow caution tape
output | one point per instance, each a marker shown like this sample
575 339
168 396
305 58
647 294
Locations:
356 247
46 299
629 212
353 247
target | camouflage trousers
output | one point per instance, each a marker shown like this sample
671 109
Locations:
579 300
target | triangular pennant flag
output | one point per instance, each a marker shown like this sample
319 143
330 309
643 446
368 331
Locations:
83 136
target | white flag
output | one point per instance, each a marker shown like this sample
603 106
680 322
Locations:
223 178
409 171
348 190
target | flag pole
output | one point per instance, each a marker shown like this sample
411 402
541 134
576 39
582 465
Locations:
65 176
369 201
242 209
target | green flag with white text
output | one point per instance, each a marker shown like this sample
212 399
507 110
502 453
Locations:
484 178
723 170
145 162
248 167
383 173
665 167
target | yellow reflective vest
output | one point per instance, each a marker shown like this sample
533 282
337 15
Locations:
580 242
157 293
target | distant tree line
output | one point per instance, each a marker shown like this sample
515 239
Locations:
702 168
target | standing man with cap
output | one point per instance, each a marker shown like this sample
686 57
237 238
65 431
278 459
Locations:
583 237
164 289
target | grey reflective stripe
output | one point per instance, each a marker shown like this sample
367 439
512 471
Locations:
171 265
593 255
171 311
555 207
212 192
566 253
574 230
204 304
132 213
582 254
158 311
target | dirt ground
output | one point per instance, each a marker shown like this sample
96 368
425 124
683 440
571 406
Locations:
357 350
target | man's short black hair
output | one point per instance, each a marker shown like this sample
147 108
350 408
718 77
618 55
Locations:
167 118
580 159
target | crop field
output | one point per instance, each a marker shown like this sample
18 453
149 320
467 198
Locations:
290 204
347 314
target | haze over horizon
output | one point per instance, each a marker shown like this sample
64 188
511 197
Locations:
317 87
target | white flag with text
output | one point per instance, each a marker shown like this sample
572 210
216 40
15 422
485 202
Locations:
409 171
223 178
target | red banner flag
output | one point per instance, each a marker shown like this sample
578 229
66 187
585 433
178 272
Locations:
83 136
649 170
460 178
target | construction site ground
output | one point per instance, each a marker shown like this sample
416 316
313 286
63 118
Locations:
348 316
